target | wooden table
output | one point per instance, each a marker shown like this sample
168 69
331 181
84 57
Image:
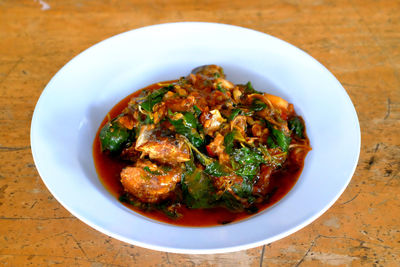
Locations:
358 41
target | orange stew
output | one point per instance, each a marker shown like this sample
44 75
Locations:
200 151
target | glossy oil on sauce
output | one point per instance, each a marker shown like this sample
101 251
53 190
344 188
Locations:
109 169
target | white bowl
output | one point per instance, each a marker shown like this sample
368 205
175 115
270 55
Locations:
79 96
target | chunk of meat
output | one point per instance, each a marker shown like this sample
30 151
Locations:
130 153
237 94
229 183
216 99
257 130
261 186
277 101
217 148
180 104
211 121
162 146
212 71
224 83
239 123
127 121
149 182
271 100
160 110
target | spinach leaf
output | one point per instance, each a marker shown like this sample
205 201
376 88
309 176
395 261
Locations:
257 105
297 127
231 137
155 97
147 120
272 159
188 128
212 167
248 171
189 165
246 162
197 111
220 88
234 113
113 136
243 190
250 89
230 202
198 190
279 139
271 143
215 169
168 209
191 120
228 141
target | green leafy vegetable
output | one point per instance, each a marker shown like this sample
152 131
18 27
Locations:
230 202
197 111
250 89
297 127
231 137
212 167
189 165
197 187
147 169
271 160
188 128
234 113
147 120
198 190
168 209
257 105
155 97
228 142
191 120
243 190
278 138
113 136
246 162
271 143
215 169
220 88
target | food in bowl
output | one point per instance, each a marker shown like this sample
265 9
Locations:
200 150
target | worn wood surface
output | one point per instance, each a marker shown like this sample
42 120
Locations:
358 41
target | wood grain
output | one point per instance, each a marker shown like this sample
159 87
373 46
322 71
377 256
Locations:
358 41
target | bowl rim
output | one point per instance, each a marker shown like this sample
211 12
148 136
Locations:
35 150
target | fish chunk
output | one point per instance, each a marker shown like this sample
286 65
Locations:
211 71
150 183
162 146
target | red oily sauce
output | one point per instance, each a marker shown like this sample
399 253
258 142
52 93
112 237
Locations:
109 169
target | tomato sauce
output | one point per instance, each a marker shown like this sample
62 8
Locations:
109 168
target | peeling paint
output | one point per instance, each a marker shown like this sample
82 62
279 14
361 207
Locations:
332 222
45 6
229 259
290 249
331 258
